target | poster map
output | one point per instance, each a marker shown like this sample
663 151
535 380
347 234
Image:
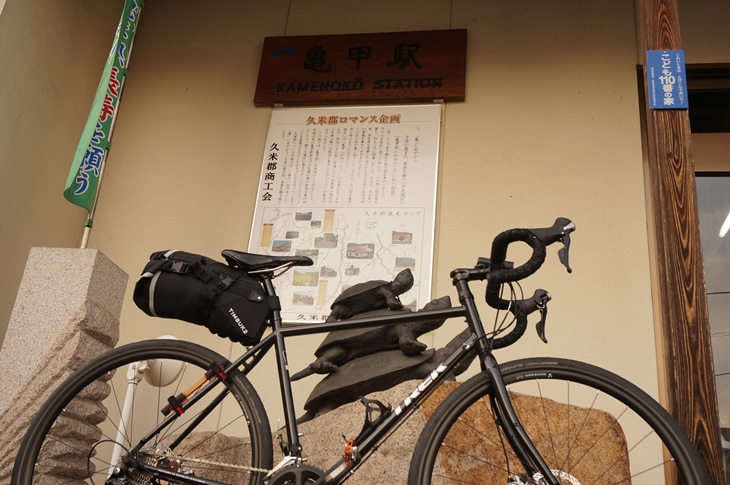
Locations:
355 190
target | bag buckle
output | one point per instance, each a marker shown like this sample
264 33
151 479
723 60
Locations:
225 283
180 267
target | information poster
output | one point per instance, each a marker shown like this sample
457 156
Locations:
355 190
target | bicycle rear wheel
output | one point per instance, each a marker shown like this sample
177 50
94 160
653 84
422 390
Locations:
589 425
89 425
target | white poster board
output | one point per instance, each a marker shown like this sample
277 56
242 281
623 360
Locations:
355 190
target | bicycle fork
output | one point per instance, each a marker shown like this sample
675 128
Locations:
505 415
506 419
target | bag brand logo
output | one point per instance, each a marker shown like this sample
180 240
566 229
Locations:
238 321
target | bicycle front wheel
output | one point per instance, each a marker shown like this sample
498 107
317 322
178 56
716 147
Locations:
589 425
86 431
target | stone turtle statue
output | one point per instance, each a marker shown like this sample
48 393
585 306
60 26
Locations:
371 295
344 345
377 372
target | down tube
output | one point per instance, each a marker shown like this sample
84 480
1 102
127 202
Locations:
339 472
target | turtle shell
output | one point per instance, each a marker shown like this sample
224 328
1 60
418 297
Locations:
378 336
356 337
355 290
365 375
403 282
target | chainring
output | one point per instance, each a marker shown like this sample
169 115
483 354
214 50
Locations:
296 475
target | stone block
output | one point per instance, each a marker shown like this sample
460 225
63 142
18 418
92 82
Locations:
55 286
323 443
66 313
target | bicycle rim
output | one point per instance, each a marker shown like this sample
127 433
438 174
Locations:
88 426
590 426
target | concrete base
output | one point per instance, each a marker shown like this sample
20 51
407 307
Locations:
66 313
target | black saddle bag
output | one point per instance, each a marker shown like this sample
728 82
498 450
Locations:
200 290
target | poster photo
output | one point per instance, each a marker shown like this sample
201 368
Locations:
353 188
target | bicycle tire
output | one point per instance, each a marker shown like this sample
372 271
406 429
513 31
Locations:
580 441
71 439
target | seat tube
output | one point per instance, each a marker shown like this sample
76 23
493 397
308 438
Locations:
293 445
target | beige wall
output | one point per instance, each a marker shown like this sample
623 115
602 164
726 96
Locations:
52 53
550 127
704 29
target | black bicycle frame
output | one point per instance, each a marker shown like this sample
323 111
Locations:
477 342
280 333
507 417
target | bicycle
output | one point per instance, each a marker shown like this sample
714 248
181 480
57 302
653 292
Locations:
511 424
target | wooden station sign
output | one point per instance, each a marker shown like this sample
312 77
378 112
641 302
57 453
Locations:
398 67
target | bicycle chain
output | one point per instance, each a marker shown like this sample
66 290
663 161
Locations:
168 454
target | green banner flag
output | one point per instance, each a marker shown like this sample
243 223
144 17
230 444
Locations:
83 180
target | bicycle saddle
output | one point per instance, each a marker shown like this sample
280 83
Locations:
254 262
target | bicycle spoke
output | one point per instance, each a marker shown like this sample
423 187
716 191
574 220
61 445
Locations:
591 427
223 436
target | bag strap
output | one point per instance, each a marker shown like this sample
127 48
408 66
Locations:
151 299
182 267
196 270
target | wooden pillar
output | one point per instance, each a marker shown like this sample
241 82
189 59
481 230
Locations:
685 325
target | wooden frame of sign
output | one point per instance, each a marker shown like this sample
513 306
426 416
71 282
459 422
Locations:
383 68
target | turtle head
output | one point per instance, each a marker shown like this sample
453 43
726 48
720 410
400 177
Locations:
422 326
438 303
402 282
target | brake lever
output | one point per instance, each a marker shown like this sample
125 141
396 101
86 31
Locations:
540 327
538 301
563 252
560 231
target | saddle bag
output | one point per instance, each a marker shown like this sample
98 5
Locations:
200 290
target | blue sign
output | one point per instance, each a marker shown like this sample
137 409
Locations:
667 81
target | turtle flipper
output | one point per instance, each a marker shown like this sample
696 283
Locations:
393 303
306 372
319 366
411 346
